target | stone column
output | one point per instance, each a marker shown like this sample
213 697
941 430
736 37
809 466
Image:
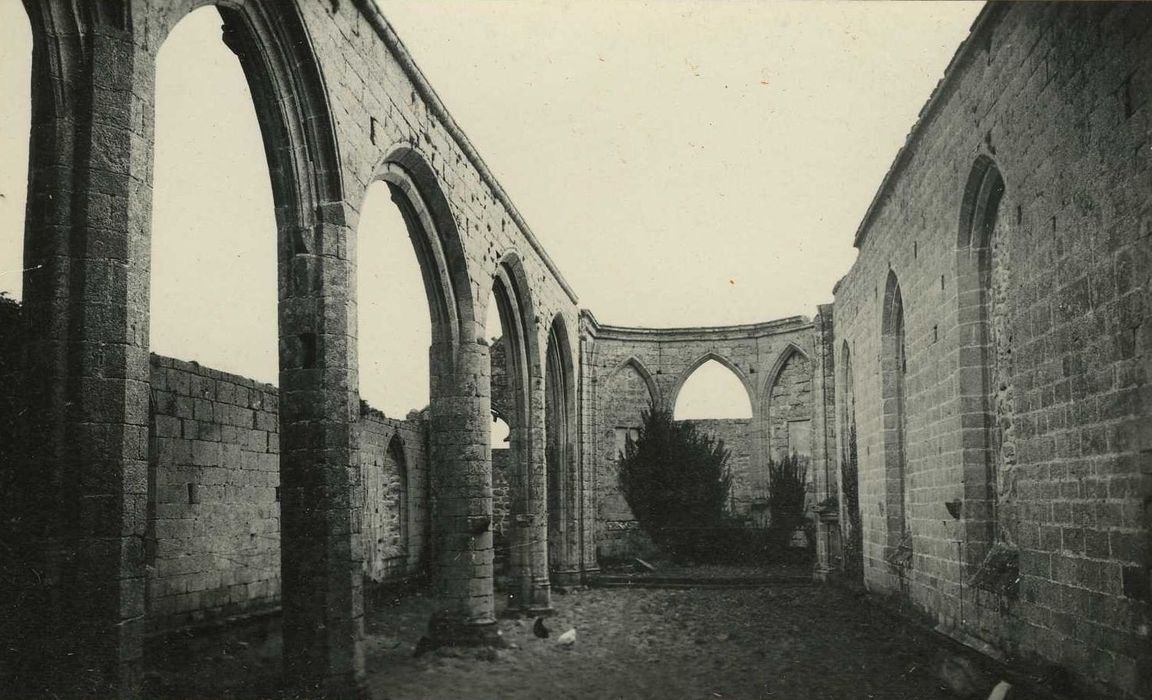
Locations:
83 484
321 552
462 494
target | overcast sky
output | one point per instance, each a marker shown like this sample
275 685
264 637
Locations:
684 163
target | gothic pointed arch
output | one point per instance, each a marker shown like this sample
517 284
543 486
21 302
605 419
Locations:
417 192
778 364
528 546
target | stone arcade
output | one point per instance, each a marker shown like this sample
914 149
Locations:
988 352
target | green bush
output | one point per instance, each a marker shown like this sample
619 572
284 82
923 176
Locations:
675 479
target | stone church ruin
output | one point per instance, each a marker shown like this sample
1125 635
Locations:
986 358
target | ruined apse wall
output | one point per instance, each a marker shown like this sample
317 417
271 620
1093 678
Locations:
623 369
213 542
1001 296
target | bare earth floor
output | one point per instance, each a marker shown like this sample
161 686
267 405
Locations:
776 642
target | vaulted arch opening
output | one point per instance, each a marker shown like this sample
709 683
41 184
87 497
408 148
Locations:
214 264
408 320
394 339
213 310
235 241
521 546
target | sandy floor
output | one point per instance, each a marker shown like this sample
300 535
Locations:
782 642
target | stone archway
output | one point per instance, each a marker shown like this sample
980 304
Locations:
563 484
527 539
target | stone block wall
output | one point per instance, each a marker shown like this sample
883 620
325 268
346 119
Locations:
397 520
1025 360
214 474
502 524
213 545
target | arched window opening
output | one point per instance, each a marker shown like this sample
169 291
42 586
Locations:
395 326
712 391
985 374
894 368
518 549
15 128
214 232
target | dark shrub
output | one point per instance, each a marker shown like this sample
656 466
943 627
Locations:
787 485
675 480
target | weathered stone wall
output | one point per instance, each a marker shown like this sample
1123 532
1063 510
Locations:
214 475
502 522
625 395
1027 355
790 409
394 464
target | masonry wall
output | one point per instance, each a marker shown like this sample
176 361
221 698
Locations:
1057 97
618 533
214 472
502 522
397 521
213 546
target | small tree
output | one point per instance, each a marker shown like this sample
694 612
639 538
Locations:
674 477
787 491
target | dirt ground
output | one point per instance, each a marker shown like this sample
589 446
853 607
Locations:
774 642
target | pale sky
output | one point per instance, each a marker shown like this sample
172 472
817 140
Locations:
684 163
